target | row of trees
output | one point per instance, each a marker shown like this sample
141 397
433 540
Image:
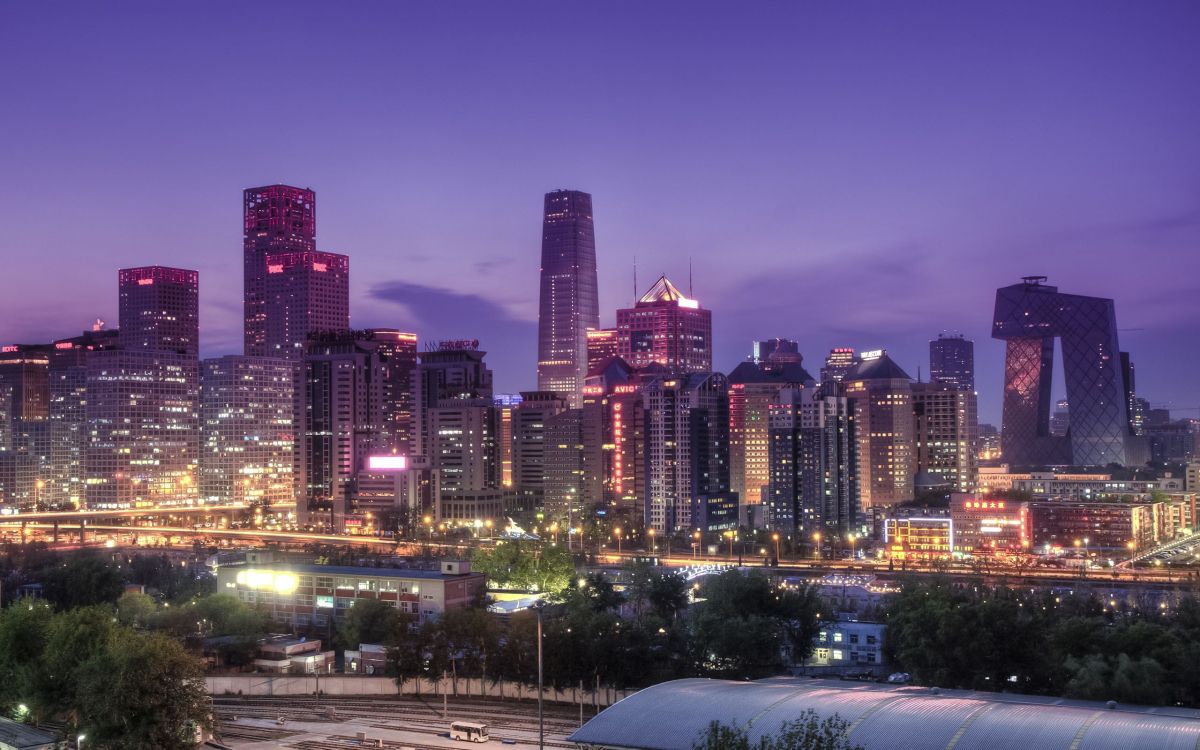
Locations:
1040 642
86 671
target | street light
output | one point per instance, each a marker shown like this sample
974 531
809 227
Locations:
731 536
775 536
652 547
79 741
851 537
817 544
617 534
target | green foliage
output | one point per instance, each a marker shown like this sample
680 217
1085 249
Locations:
86 671
809 732
526 566
1035 642
371 621
82 580
746 627
135 609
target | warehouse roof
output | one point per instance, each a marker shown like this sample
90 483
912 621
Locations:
673 715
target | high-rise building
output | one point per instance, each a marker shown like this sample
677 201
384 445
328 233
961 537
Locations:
840 362
25 369
613 426
160 310
306 293
1028 317
276 219
68 414
779 350
952 360
567 469
753 387
506 403
946 434
398 352
1060 420
247 434
144 429
460 432
602 345
687 449
813 464
529 426
666 328
881 395
568 302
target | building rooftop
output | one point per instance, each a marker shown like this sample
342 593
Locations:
347 570
24 737
781 373
673 715
882 367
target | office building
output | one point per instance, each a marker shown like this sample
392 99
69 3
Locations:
529 443
307 293
1029 316
247 434
990 526
506 404
666 328
568 301
776 350
160 310
753 387
398 354
25 369
566 470
276 219
69 435
614 423
602 345
840 362
881 393
952 361
946 426
1060 420
687 447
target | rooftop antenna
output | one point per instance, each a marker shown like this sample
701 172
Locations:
635 286
690 277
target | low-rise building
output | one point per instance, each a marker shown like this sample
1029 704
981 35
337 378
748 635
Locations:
1095 526
985 526
847 645
302 595
912 536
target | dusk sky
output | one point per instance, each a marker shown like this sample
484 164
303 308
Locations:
840 173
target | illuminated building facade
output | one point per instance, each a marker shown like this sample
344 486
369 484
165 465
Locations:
397 351
568 302
952 361
1109 527
913 536
686 446
602 345
276 219
840 363
247 435
1028 317
505 404
25 432
990 526
530 420
775 350
566 469
303 595
881 395
613 427
946 434
144 429
666 328
68 415
307 293
753 387
160 310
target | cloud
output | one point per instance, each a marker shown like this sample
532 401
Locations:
439 313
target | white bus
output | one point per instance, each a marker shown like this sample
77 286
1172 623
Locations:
469 731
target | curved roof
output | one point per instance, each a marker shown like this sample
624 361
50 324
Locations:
673 715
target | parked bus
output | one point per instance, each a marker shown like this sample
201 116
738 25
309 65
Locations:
469 731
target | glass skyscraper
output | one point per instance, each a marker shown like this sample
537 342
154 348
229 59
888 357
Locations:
568 304
276 219
1029 316
952 360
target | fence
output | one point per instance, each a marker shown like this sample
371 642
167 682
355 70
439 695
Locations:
461 687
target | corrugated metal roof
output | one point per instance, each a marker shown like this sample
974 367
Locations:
673 715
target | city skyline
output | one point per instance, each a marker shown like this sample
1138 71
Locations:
828 229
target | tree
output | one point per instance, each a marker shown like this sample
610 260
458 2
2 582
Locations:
81 581
371 621
143 693
526 566
23 631
809 732
135 609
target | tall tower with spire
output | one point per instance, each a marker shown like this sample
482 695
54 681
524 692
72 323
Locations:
668 328
568 301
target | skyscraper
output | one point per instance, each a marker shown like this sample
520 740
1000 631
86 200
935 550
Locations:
753 387
946 434
276 219
613 426
840 362
1028 317
952 360
160 310
777 349
306 293
398 352
247 435
568 302
664 327
602 345
529 427
881 396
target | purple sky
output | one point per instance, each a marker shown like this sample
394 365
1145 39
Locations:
860 174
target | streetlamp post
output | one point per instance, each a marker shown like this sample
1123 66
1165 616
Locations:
653 548
79 741
617 534
775 536
696 545
541 721
817 545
